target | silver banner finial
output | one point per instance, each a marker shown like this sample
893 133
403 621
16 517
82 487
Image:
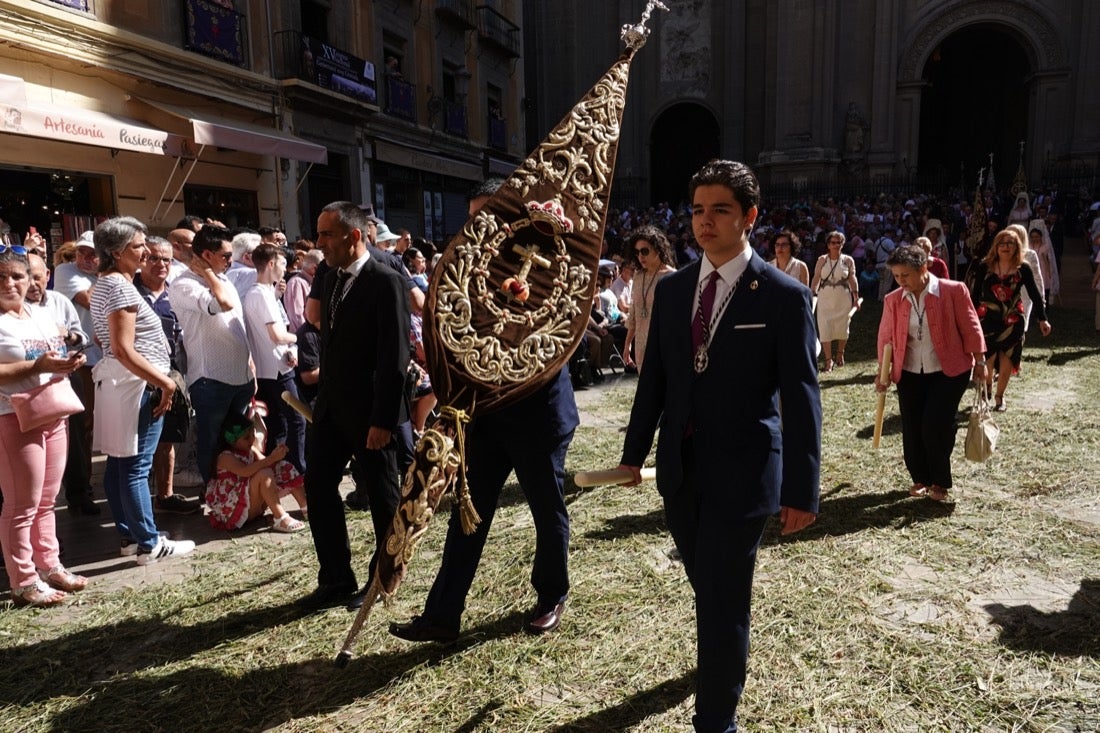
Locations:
634 36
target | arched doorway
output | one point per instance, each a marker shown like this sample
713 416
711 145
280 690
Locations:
975 103
684 136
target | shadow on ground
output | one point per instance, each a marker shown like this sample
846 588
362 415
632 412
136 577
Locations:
1074 632
278 693
840 514
634 709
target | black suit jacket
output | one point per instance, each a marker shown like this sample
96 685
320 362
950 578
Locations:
763 351
365 352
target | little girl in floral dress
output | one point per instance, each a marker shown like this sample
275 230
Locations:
245 482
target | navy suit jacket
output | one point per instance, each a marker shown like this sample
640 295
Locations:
763 353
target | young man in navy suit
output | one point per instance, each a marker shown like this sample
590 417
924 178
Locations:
730 340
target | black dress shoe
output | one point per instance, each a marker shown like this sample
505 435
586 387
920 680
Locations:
326 596
544 619
356 601
421 629
357 501
83 504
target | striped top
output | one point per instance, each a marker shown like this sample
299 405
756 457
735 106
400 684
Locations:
113 293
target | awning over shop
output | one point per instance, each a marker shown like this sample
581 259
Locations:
242 136
77 125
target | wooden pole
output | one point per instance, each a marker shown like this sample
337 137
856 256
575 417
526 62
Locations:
883 378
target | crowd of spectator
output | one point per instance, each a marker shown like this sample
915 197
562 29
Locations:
234 313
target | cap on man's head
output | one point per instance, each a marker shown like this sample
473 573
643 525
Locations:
368 209
86 240
384 234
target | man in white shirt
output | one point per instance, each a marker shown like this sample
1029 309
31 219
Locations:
275 354
242 273
623 287
219 370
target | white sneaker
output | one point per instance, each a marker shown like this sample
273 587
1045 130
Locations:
166 548
130 547
187 479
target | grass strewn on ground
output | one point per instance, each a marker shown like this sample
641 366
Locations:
889 614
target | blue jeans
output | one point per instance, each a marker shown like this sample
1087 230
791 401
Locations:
212 401
284 424
126 480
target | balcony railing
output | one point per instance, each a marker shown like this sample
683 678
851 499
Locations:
302 57
400 98
454 119
460 12
496 30
215 31
498 133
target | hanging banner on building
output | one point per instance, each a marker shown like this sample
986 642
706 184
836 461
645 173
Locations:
331 68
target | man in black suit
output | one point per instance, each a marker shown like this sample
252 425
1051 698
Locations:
361 398
531 437
730 339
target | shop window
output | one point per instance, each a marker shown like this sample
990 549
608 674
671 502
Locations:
232 207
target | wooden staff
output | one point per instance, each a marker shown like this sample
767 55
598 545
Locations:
613 476
300 407
883 378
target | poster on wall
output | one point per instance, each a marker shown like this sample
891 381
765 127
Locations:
428 218
338 70
380 201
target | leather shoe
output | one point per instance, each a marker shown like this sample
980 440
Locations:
419 628
326 596
356 601
544 619
357 501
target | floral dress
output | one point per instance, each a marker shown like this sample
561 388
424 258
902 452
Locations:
1000 305
227 493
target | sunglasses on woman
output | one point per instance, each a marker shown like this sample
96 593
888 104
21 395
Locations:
643 251
13 248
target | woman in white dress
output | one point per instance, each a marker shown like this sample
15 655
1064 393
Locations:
1039 241
786 245
837 293
652 254
1021 210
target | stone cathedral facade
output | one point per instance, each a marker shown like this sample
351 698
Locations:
854 90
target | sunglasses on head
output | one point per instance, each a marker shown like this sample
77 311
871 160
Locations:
13 248
643 251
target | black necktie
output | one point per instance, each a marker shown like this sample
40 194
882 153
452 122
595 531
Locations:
338 295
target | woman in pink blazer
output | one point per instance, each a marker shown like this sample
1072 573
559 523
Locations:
937 340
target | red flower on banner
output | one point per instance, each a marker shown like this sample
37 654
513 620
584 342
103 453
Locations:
1012 318
1019 306
982 310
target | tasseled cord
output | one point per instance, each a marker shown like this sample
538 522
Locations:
466 512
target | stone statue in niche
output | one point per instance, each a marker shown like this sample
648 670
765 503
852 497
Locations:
856 129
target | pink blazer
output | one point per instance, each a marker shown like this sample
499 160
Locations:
952 323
